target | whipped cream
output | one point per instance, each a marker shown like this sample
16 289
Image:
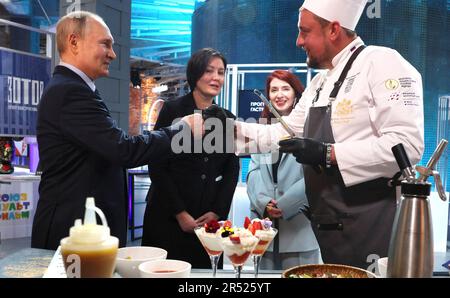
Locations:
247 242
266 235
210 241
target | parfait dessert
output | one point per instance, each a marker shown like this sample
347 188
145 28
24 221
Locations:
237 244
262 229
210 237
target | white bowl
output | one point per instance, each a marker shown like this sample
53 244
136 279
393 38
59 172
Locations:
129 258
382 266
165 269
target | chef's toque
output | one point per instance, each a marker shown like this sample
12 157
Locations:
346 12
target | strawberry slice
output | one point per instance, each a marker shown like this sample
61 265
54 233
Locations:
247 221
251 228
257 225
235 239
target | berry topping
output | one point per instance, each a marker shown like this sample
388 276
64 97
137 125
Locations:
212 226
251 228
247 221
257 225
227 224
235 239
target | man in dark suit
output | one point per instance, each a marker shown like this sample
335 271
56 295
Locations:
82 151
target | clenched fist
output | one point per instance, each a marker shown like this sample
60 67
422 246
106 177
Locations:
306 151
195 122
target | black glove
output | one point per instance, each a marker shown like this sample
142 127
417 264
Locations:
214 111
306 151
227 118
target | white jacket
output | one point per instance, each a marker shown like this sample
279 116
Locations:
380 104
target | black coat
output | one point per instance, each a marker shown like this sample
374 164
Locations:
83 153
186 181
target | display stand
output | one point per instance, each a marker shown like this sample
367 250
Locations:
19 195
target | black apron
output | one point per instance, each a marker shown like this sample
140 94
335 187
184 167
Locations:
276 222
350 223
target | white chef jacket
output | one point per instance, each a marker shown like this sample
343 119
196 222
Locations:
379 105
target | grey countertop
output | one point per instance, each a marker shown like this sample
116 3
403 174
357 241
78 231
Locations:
19 175
27 262
33 263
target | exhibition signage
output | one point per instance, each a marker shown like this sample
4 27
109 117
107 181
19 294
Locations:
18 200
15 205
250 106
22 81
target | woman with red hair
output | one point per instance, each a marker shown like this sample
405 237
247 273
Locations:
276 187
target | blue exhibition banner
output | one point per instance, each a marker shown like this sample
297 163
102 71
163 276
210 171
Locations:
22 81
250 106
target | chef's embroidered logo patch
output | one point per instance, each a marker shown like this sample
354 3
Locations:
391 84
344 108
394 96
350 81
343 112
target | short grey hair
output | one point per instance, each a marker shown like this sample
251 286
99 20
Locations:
73 23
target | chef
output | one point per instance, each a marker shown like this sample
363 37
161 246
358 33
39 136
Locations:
366 100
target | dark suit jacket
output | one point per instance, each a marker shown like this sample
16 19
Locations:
195 182
83 153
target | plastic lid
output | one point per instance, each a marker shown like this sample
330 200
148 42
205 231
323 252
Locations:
90 232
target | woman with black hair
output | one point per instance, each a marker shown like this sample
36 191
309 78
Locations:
190 189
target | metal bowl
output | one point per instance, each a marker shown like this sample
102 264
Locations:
327 271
